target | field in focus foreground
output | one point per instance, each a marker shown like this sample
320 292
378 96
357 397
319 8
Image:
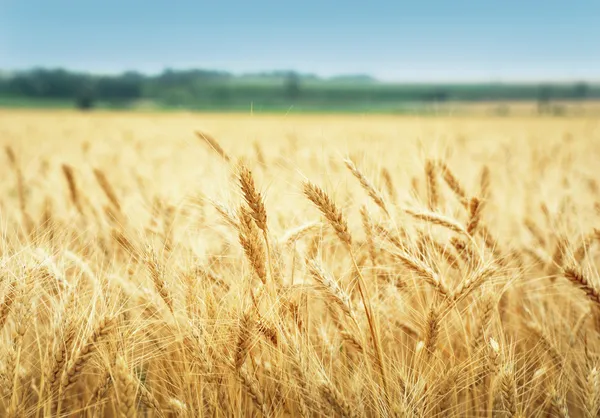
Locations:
190 265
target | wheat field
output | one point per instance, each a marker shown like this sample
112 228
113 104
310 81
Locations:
183 265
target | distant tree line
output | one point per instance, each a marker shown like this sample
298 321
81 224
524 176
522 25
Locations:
217 89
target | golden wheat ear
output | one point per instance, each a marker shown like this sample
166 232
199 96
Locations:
329 209
432 184
252 244
252 197
73 189
577 277
367 186
107 188
213 144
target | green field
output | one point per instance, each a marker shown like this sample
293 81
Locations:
200 90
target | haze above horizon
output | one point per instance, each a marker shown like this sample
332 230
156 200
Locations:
431 40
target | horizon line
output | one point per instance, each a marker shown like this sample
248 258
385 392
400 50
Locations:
374 79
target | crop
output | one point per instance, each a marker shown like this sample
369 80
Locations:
142 274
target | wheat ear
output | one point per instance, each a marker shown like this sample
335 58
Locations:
107 188
578 278
71 182
213 144
367 186
432 185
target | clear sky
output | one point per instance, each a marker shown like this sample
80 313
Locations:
393 40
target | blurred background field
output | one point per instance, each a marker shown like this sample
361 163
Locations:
285 92
163 146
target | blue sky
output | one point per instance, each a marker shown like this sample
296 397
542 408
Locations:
393 40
